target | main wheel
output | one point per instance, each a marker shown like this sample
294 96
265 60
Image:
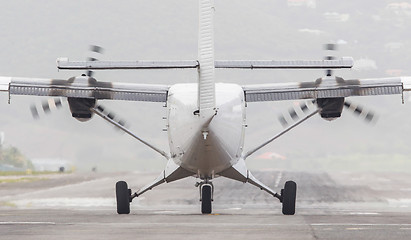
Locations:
206 199
289 194
123 198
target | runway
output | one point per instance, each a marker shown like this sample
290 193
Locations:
330 206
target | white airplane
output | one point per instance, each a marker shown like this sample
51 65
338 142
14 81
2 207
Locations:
206 120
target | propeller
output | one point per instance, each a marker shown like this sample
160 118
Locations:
360 111
111 115
330 47
96 50
47 106
55 103
52 104
301 110
292 115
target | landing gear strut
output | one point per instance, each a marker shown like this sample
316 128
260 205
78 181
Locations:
206 188
206 196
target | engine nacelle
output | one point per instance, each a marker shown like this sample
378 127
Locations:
80 108
331 107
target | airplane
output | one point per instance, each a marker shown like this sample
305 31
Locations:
206 121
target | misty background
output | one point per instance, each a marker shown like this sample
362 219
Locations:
375 33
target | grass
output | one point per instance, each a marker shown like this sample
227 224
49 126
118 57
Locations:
22 179
7 204
29 173
25 176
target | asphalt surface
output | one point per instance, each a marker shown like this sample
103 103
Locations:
329 206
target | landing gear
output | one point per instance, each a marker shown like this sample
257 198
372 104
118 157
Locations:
206 199
288 196
206 196
123 196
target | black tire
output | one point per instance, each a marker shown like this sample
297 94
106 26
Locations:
206 199
123 198
289 194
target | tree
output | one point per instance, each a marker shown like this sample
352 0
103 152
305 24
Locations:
14 157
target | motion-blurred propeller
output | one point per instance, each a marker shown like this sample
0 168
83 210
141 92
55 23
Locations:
52 104
330 108
292 114
94 49
360 111
330 47
110 115
47 106
296 113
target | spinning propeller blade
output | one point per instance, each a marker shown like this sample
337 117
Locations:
330 47
327 105
94 49
55 103
292 113
110 115
47 106
358 110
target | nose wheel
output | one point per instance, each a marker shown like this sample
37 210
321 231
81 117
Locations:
206 196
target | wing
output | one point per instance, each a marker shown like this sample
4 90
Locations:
66 64
84 87
326 88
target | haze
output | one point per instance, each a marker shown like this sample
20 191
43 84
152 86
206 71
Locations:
376 33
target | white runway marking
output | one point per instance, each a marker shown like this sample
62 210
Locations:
364 213
27 223
362 224
64 202
235 208
166 212
347 226
278 179
355 229
26 195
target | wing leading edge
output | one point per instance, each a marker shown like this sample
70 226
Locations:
89 88
84 87
326 88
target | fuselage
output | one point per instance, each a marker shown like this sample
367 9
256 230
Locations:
206 147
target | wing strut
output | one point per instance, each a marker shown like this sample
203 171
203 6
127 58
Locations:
281 133
118 125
